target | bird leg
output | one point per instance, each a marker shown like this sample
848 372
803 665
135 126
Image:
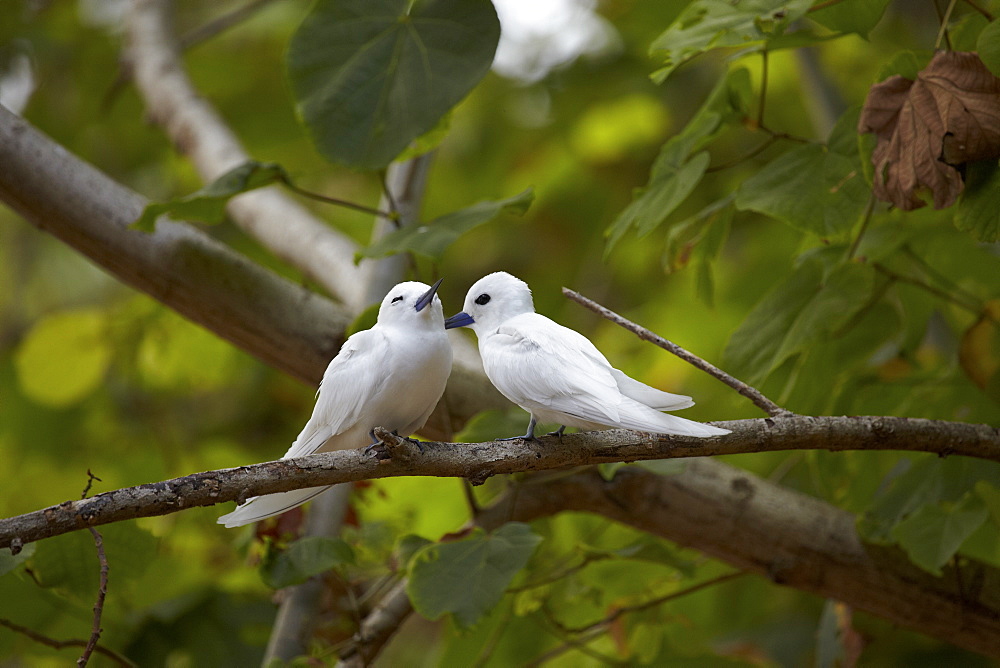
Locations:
528 435
374 442
414 441
558 432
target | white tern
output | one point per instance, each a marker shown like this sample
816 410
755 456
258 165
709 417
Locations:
389 376
557 374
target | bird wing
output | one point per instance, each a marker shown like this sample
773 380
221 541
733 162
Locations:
350 381
535 362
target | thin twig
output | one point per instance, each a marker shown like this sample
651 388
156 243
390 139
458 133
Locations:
102 589
63 644
288 183
763 87
823 5
866 218
606 621
937 292
221 23
943 32
753 153
751 393
989 16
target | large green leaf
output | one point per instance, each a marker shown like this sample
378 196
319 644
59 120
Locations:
467 578
681 163
208 205
857 16
713 24
304 558
978 212
988 46
9 562
64 357
370 76
932 535
814 188
801 311
432 239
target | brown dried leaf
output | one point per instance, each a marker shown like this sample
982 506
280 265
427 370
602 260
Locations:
924 128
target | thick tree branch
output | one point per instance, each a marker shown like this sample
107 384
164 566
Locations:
280 323
790 538
278 222
479 461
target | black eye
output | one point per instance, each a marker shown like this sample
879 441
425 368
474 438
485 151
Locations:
483 299
397 299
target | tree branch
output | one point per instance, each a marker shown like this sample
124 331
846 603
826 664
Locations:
277 321
751 393
278 222
792 539
479 461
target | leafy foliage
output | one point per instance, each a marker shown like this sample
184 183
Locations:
719 177
370 76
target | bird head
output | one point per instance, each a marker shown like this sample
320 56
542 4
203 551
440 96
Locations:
412 304
492 300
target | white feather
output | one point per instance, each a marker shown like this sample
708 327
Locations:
557 374
389 376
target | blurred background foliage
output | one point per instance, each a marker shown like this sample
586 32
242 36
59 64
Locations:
95 377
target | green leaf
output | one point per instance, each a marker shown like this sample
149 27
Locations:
303 559
467 578
681 163
978 212
932 535
9 562
407 546
990 495
904 63
64 357
370 76
711 24
857 16
800 312
814 188
208 205
829 643
432 239
988 46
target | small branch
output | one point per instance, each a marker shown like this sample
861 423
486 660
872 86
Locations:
866 218
655 602
902 278
102 589
63 644
222 23
288 183
986 14
943 32
763 87
378 627
751 393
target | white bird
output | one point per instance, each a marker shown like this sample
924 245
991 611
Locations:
389 376
557 374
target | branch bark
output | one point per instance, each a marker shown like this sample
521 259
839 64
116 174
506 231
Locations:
277 321
277 221
479 461
792 539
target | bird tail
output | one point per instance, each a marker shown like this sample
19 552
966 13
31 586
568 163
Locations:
643 418
652 397
261 507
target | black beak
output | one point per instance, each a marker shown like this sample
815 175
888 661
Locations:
426 298
460 319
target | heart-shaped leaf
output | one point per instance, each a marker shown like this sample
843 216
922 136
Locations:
370 76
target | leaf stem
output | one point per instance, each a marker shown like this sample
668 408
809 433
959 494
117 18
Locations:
288 183
751 393
866 218
823 5
937 292
988 15
763 87
753 153
943 32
